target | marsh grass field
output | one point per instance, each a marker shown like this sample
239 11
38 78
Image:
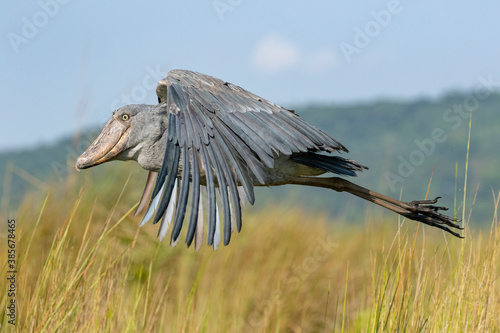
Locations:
84 265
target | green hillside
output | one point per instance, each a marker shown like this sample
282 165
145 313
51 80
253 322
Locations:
401 142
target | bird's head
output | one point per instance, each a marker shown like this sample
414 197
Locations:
134 132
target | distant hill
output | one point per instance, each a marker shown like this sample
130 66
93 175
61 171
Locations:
401 142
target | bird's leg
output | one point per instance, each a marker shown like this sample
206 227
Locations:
147 191
420 210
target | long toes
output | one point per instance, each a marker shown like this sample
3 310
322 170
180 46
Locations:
424 202
453 232
425 205
434 213
425 212
440 219
444 217
456 234
435 208
431 212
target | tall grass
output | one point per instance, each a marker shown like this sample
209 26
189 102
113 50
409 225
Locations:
84 265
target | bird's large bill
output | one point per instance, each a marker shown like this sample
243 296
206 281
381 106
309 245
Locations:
108 144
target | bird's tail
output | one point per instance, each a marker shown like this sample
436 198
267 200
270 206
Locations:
335 164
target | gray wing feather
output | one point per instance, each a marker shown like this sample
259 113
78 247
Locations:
232 136
183 196
249 137
195 199
171 168
210 194
198 240
169 213
216 161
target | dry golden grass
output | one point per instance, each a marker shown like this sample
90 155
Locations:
84 265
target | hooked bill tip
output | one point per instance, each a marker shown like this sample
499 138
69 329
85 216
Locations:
80 164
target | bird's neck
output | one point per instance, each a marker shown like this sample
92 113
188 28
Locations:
152 158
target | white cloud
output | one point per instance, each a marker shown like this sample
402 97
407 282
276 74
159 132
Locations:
275 53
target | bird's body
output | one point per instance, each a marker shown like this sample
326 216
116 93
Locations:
283 167
151 158
208 132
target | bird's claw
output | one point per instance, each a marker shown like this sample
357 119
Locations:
424 211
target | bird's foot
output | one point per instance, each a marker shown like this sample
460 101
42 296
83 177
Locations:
424 211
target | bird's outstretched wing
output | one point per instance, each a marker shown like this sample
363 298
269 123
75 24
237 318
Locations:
225 136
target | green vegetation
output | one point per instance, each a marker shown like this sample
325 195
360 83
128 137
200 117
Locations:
84 265
380 135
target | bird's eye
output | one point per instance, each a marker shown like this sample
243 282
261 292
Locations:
125 117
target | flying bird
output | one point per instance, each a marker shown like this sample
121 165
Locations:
209 136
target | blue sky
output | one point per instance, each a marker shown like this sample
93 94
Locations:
66 64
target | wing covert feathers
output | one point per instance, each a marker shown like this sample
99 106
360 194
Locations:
230 136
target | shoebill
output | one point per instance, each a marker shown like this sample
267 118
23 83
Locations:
211 136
